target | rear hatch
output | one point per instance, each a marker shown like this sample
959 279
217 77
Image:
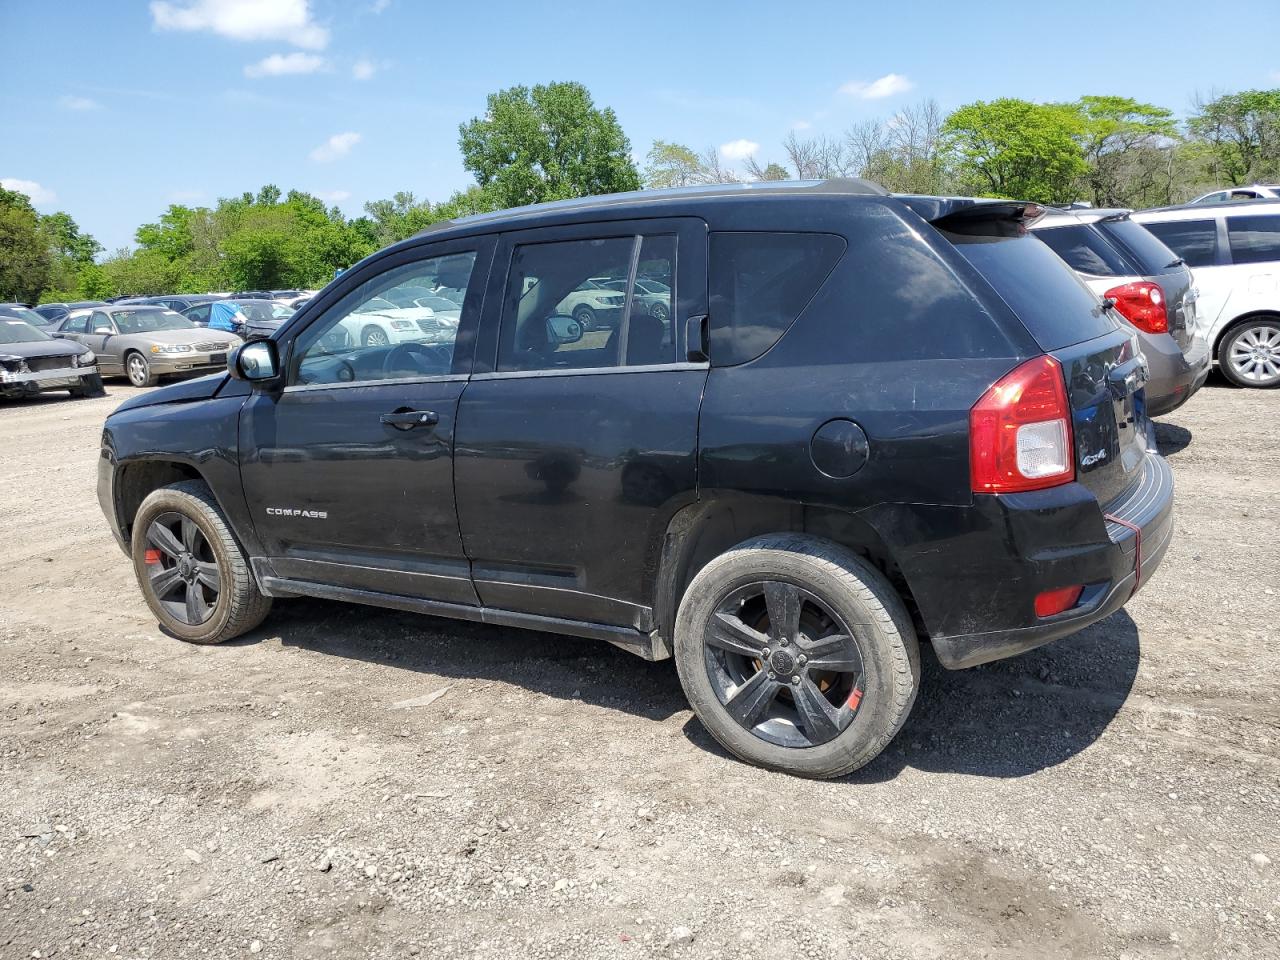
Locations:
1160 265
1100 359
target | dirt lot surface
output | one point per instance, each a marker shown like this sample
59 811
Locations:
299 793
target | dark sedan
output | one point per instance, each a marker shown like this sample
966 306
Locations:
31 361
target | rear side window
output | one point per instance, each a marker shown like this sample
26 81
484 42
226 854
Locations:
1048 298
1085 250
1195 241
1254 239
760 283
1149 252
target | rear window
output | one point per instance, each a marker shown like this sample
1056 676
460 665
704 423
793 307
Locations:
760 282
1051 301
1254 239
1147 250
1195 241
1084 250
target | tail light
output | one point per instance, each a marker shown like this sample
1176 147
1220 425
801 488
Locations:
1020 431
1142 304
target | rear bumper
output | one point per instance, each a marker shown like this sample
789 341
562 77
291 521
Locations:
1175 376
1023 544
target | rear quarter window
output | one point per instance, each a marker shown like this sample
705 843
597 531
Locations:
1084 250
1195 241
1152 256
759 284
1050 300
1254 239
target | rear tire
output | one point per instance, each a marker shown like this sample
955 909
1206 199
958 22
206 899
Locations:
199 584
839 593
1249 356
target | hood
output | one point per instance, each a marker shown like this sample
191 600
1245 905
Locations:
184 391
192 336
42 348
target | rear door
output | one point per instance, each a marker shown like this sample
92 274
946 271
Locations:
1103 367
576 446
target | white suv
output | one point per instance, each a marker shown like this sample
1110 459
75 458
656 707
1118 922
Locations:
1256 191
1234 251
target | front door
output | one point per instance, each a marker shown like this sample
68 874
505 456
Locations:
578 443
348 470
101 338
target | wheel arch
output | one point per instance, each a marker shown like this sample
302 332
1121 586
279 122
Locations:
135 480
704 530
1231 325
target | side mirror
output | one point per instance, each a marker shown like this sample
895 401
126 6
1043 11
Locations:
256 361
562 330
103 331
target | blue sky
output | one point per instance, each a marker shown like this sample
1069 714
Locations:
113 110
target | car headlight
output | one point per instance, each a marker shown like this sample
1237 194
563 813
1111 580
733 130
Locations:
403 325
170 348
86 359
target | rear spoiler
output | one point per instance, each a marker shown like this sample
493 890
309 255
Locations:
952 212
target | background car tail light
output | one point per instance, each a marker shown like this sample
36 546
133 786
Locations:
1055 601
1020 431
1142 304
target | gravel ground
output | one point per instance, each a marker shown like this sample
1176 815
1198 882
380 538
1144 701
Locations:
352 782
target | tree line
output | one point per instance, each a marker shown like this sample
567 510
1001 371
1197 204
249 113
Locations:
552 142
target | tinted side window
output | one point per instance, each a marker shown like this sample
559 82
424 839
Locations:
566 304
1195 241
759 284
76 324
1151 255
1084 250
198 314
1049 299
1254 239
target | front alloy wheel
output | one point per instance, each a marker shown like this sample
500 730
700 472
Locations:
139 371
181 568
376 337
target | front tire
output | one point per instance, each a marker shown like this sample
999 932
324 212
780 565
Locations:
192 571
1250 354
586 318
138 370
375 337
797 655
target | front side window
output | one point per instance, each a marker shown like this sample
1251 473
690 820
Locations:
1084 250
198 314
580 304
78 324
1254 239
1195 241
367 336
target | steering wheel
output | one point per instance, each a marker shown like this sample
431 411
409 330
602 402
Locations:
434 356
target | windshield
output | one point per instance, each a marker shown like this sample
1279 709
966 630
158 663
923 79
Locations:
262 310
376 305
25 314
16 331
150 321
1143 245
437 304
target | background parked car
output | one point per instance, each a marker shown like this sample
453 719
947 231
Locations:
379 322
1234 251
1150 287
245 313
144 342
593 304
55 312
20 311
31 361
1258 191
176 302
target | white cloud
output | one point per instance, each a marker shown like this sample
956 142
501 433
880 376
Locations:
38 195
286 20
339 145
332 196
886 86
380 5
285 64
78 103
738 149
364 69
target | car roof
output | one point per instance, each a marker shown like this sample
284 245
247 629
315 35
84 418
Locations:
1202 210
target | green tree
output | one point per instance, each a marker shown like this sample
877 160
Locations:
1124 144
25 261
1243 132
1018 149
546 143
673 165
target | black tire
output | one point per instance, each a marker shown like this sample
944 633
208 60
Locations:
138 370
238 605
1259 337
586 318
852 590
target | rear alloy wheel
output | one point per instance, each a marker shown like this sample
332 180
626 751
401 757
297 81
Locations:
797 655
660 311
139 371
193 574
1250 355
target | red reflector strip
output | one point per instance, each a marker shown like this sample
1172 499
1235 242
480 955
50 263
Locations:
1055 601
1137 549
151 557
855 698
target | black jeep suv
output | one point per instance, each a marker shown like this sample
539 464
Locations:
857 419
